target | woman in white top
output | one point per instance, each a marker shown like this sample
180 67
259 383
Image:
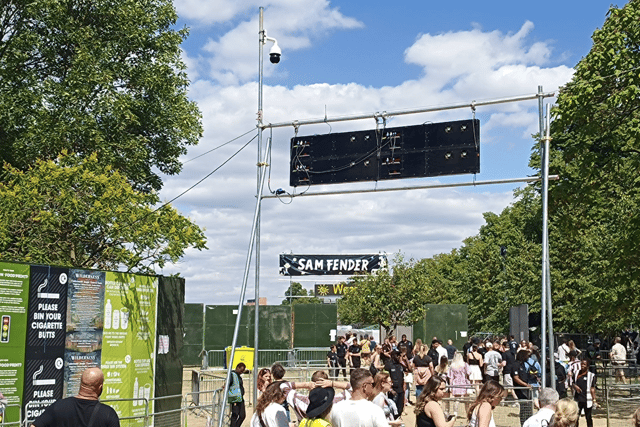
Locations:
480 412
269 410
382 384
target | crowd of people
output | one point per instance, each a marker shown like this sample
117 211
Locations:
378 380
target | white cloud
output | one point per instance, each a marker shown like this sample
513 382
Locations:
458 67
232 57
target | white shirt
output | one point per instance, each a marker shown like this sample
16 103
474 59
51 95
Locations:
357 413
273 415
388 406
492 359
618 353
442 352
540 419
563 352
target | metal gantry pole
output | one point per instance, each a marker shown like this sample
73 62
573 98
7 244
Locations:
543 299
528 179
547 141
256 329
243 289
546 313
472 105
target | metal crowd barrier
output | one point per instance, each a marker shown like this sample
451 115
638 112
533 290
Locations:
3 422
291 357
507 414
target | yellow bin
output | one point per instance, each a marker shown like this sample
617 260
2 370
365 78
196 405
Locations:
243 354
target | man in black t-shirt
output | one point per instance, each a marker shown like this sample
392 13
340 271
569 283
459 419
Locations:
520 376
584 388
408 344
341 350
509 360
513 345
78 411
353 354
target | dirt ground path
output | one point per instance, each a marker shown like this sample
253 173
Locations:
505 415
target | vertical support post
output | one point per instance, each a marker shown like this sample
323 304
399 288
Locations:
543 299
243 290
606 396
547 142
256 329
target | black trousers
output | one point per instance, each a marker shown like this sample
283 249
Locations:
587 413
355 362
238 414
398 398
334 369
342 362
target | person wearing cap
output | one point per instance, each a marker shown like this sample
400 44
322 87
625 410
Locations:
492 363
320 404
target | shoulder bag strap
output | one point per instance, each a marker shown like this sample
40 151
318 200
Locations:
93 415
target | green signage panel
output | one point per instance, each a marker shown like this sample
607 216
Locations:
14 296
128 345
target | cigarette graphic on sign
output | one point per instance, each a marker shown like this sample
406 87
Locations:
45 294
42 382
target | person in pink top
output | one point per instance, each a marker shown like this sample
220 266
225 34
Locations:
459 379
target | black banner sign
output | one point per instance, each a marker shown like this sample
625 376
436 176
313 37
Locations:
321 265
44 373
333 290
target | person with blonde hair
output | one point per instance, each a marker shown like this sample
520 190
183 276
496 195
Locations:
480 413
428 411
422 367
566 414
459 380
417 347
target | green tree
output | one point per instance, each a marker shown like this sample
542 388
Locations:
386 298
75 212
595 206
95 76
297 294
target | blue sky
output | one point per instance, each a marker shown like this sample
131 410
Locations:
352 58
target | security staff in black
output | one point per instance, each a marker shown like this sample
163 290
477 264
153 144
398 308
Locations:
82 410
341 350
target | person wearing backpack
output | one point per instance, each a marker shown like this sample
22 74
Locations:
520 376
534 371
235 396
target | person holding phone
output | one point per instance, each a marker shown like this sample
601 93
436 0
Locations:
428 411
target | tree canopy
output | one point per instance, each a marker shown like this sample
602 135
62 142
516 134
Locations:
596 151
297 294
594 214
93 110
75 212
99 77
387 298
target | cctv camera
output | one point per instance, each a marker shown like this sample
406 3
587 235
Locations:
275 53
